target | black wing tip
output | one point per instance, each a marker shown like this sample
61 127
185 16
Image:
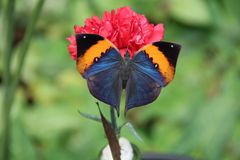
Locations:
85 41
170 50
168 45
80 36
177 47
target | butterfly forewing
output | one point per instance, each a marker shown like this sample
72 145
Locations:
163 56
152 68
99 62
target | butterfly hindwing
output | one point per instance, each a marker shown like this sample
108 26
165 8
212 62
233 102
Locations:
152 68
140 90
106 86
99 62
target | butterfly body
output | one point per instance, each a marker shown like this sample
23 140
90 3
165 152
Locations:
125 70
108 73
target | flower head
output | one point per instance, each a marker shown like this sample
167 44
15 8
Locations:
126 29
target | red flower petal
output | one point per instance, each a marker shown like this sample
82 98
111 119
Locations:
126 29
78 29
157 34
72 47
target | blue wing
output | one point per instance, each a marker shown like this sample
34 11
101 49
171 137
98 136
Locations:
152 68
144 65
109 60
103 78
144 83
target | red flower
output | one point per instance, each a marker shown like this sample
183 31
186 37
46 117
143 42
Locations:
72 47
126 29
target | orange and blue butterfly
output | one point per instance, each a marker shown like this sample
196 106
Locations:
108 73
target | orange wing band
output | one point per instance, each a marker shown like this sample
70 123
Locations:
95 51
164 66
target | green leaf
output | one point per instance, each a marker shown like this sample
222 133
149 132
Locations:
89 116
132 129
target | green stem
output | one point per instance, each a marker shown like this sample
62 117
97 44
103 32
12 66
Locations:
10 88
8 21
25 44
113 120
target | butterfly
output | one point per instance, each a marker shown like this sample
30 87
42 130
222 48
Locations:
108 73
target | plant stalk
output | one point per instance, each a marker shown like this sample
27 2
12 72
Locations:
113 120
10 88
8 22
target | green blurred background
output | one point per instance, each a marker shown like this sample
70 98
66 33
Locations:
196 115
